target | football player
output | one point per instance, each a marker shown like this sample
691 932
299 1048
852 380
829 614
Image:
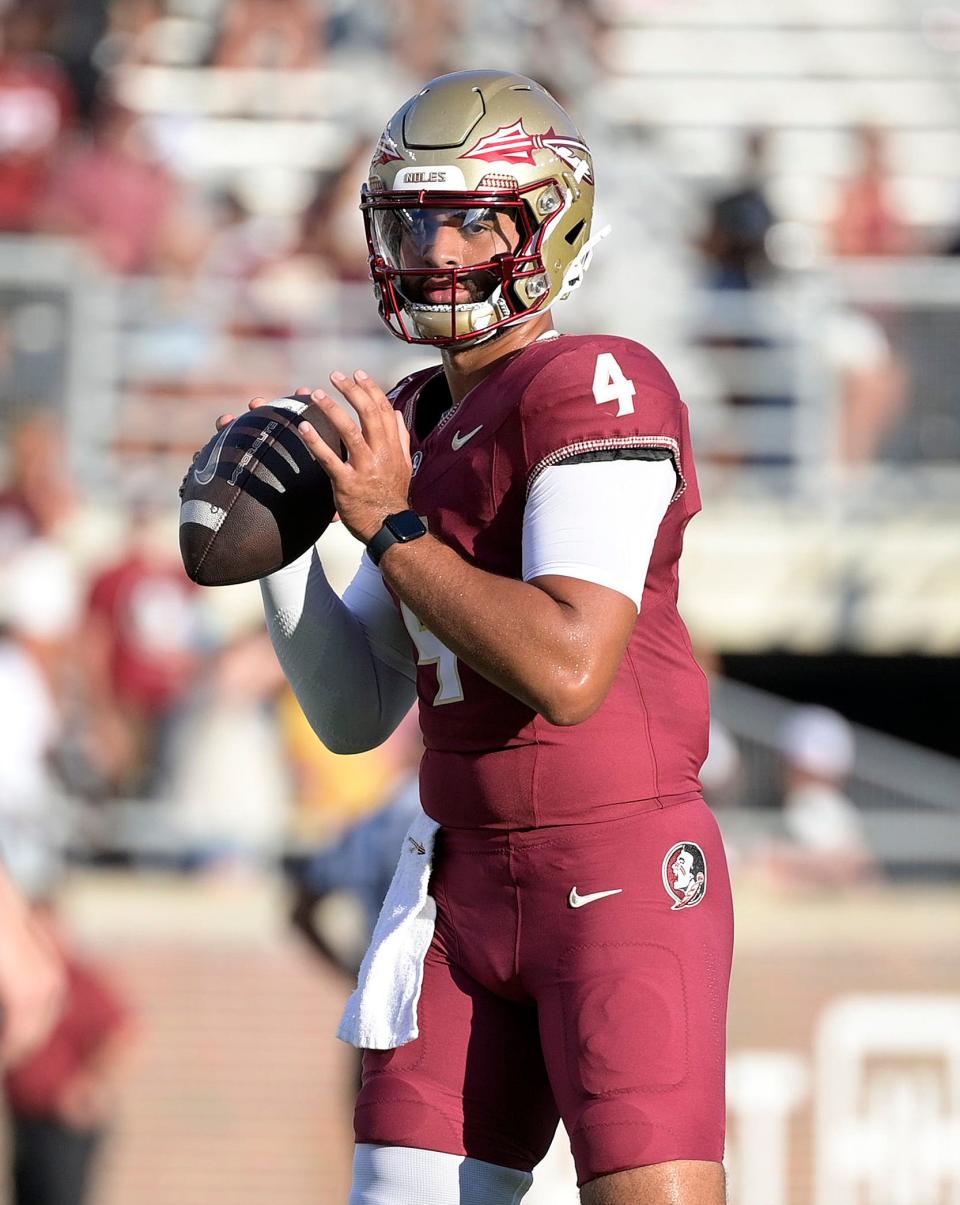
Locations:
522 505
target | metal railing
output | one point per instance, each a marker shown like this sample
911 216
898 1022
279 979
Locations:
139 367
908 796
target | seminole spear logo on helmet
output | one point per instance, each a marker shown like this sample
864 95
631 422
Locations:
512 144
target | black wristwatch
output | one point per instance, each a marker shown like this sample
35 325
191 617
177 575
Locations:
400 528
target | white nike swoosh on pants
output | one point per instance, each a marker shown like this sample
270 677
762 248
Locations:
577 901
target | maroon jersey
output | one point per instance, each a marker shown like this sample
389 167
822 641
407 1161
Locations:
491 761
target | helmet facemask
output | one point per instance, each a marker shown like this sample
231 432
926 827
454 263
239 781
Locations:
455 266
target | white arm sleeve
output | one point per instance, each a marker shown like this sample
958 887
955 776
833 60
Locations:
350 661
597 521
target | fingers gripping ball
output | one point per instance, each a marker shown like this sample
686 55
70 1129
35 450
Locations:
254 498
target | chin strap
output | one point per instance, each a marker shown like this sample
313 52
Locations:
573 277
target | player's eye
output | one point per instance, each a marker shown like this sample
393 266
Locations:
422 226
479 221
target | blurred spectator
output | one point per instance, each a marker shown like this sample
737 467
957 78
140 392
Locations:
62 1097
734 247
38 611
331 246
140 643
31 723
722 772
332 224
237 246
229 786
265 35
951 243
178 351
39 498
131 25
866 220
334 788
36 105
826 842
872 381
31 977
113 193
359 863
340 890
423 36
244 244
80 31
734 243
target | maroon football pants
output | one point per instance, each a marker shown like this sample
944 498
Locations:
577 972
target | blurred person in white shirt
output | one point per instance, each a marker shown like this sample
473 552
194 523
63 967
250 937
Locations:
31 978
38 611
39 599
826 844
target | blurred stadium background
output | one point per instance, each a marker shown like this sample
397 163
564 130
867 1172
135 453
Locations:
178 184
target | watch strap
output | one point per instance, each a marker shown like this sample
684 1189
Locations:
388 535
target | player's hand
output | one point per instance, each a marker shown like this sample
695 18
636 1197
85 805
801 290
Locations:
225 420
374 481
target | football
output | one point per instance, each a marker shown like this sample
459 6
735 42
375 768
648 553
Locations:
254 498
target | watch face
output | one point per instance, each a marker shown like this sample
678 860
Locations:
407 525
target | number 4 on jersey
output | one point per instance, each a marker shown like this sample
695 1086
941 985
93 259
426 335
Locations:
432 651
610 385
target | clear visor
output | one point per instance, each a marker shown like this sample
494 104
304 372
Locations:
445 256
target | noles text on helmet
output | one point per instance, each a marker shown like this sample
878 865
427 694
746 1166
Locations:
477 208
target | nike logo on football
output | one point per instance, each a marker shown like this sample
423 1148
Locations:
205 475
577 901
459 440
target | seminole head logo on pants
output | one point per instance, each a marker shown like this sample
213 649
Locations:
685 875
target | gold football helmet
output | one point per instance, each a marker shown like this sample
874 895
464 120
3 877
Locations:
477 208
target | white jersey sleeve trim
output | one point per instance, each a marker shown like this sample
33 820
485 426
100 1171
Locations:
597 521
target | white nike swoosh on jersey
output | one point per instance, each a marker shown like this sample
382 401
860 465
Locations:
205 475
459 440
577 901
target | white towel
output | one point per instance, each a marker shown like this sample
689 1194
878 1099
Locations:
382 1012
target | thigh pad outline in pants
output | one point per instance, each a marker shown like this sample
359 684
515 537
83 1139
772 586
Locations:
632 988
